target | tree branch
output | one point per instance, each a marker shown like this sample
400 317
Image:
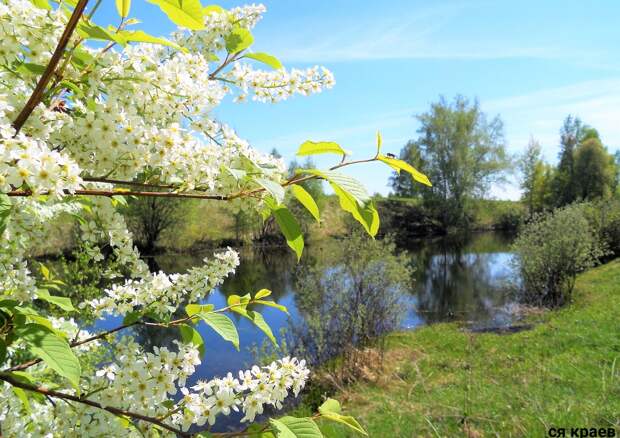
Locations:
241 194
116 411
37 94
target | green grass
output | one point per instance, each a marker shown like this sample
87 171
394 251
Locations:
440 381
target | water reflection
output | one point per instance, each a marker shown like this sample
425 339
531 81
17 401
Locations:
461 278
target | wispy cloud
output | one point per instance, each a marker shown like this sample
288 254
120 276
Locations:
409 34
541 113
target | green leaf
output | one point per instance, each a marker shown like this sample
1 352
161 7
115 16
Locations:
28 67
95 32
274 189
63 302
21 395
265 58
399 165
320 147
292 427
222 325
366 215
347 420
43 4
290 228
53 350
306 200
193 309
5 211
122 6
345 182
33 316
238 39
190 335
379 142
185 13
272 304
330 405
262 294
260 322
140 36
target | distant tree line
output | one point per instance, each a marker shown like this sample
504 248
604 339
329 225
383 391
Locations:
464 154
585 171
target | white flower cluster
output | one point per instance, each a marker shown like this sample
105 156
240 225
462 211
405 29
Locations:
254 389
161 293
274 86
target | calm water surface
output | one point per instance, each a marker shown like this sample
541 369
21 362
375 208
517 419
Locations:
455 279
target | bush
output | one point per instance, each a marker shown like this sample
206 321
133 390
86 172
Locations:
551 250
349 302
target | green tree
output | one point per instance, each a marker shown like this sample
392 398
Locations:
594 170
150 217
571 134
401 183
462 152
532 168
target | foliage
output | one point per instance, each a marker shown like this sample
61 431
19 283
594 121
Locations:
91 115
462 152
352 304
585 170
441 380
552 249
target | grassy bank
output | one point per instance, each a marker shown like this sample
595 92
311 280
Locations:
441 381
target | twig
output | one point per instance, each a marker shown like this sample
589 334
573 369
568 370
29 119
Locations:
37 94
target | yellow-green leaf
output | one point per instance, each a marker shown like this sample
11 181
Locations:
193 309
290 228
399 165
379 142
222 326
320 147
63 302
122 6
238 39
262 294
293 427
347 420
265 58
306 200
185 13
140 36
272 304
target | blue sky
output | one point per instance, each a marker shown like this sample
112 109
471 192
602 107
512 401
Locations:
531 62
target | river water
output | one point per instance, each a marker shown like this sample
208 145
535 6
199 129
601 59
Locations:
460 278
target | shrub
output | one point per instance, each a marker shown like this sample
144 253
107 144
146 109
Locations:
350 301
551 250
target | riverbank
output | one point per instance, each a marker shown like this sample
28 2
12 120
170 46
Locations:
443 381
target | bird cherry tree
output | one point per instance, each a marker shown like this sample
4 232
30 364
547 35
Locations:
91 114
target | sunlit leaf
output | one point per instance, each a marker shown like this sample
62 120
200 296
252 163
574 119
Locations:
185 13
265 58
293 427
193 309
272 304
330 405
399 165
238 39
122 6
140 36
222 326
347 420
43 4
262 294
320 147
290 228
306 200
